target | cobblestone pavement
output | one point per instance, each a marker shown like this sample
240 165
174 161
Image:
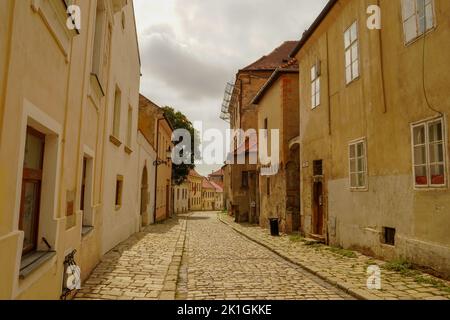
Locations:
144 267
218 263
349 273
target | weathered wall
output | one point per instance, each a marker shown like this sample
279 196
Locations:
358 110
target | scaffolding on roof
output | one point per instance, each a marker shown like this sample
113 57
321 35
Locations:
231 92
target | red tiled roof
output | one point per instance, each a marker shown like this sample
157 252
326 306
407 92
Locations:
291 66
217 186
207 184
194 173
274 59
217 173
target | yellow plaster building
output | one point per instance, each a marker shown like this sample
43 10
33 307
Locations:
195 190
56 84
374 133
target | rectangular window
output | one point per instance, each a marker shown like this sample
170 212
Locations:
116 119
129 126
119 190
268 186
31 188
100 24
351 53
244 183
429 154
418 17
358 165
315 85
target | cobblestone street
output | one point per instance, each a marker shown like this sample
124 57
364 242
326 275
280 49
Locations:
221 264
217 263
206 256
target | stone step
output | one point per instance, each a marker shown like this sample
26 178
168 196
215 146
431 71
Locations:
315 238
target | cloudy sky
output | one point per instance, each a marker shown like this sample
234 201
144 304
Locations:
190 49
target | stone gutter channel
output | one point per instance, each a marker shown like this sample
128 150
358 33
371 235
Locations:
170 281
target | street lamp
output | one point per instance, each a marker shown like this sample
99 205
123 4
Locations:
168 158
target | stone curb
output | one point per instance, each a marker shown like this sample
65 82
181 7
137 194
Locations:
358 295
170 282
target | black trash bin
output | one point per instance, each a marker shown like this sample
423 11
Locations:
274 230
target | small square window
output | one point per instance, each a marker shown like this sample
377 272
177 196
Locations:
389 236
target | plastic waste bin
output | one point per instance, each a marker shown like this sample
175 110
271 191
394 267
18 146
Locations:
274 230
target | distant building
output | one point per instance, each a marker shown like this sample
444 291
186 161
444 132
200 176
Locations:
218 196
195 191
244 198
217 176
208 195
181 198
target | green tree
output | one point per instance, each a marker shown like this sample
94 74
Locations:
179 121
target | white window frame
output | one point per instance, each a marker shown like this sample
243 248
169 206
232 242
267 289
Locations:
413 16
357 171
351 50
426 124
315 85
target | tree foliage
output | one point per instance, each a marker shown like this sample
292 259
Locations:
179 121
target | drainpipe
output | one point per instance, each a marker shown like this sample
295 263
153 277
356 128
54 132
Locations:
383 89
328 85
156 170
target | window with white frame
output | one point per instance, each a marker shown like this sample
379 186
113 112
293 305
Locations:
418 17
351 53
315 85
429 154
358 164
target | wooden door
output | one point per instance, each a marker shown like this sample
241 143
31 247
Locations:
318 208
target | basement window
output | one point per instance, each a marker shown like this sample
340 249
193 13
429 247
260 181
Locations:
389 236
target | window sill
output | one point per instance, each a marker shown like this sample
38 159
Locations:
34 261
365 189
115 141
128 150
86 230
348 84
118 207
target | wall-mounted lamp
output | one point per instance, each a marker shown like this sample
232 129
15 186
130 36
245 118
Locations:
168 158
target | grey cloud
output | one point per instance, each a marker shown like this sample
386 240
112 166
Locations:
188 75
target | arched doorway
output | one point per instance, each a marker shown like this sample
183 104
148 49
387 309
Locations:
144 197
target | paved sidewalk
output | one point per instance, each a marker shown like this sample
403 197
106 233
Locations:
144 267
346 269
